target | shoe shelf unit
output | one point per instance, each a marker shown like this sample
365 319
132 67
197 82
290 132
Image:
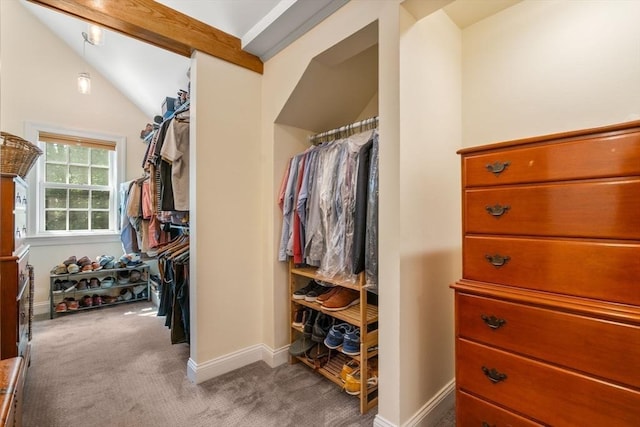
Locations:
66 296
363 315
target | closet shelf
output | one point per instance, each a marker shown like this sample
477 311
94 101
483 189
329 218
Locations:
350 315
311 273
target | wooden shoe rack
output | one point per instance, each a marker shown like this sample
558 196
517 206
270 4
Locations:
363 315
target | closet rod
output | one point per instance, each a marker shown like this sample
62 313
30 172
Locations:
345 131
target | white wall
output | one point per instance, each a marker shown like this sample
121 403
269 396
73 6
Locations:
542 67
226 241
38 84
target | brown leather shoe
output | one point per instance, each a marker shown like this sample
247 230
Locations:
343 298
322 298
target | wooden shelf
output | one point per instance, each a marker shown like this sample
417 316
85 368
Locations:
350 315
311 273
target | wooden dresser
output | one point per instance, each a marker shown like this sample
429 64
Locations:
548 309
16 287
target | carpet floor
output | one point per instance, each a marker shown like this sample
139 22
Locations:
116 367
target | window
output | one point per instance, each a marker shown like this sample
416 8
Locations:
76 185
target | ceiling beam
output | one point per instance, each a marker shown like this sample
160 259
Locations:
159 25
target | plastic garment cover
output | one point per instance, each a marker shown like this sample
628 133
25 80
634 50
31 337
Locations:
371 243
340 208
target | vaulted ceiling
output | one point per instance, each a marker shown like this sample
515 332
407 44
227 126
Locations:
146 74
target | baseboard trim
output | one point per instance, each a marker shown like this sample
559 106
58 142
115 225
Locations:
273 357
430 414
41 308
201 372
434 409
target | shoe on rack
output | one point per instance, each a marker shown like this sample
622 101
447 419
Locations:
300 316
343 298
351 342
61 307
321 327
325 296
307 329
335 337
317 291
348 368
352 383
301 346
72 304
302 292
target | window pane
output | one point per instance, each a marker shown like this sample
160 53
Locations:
78 220
56 153
55 198
79 155
79 199
99 176
100 200
56 220
99 220
78 175
56 173
99 157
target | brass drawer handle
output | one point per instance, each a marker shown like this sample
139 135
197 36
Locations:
497 210
493 375
497 260
486 424
493 322
497 168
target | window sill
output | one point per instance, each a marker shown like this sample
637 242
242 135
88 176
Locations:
93 238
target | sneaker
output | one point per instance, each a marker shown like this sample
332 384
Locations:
352 383
351 342
348 368
335 337
343 298
302 292
321 327
317 291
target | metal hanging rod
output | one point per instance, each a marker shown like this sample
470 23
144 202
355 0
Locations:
344 131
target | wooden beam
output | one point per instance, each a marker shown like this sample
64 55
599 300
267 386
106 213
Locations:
159 25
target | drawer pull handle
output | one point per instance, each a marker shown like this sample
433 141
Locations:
497 168
486 424
497 260
493 375
493 322
497 210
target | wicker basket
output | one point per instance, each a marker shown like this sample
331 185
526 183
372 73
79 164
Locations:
17 155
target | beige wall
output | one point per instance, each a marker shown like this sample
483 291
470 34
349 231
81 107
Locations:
226 241
548 66
38 84
430 119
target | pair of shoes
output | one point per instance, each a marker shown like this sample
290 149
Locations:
345 335
71 303
353 379
341 299
348 368
300 316
311 291
304 343
61 307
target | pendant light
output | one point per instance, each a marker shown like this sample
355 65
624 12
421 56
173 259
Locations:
95 37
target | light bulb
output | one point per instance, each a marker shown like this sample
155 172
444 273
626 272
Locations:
84 83
95 35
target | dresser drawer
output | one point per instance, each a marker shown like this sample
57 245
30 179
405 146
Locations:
471 411
552 395
599 209
590 157
605 271
561 338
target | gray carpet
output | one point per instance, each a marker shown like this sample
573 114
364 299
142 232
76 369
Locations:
115 366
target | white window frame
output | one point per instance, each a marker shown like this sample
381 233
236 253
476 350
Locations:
37 234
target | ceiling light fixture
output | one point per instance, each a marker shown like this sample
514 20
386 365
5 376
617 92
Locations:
94 38
95 35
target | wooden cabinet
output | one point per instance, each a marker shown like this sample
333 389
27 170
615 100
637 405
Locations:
11 385
16 280
548 308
